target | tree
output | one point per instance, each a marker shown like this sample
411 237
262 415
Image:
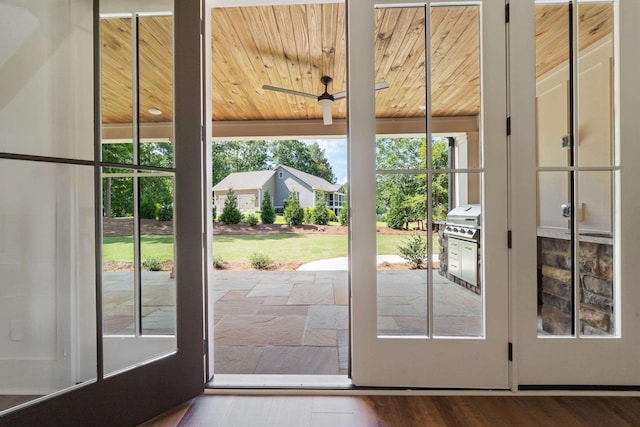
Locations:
293 213
306 158
267 214
397 215
320 214
238 156
230 213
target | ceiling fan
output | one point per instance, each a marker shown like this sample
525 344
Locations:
326 99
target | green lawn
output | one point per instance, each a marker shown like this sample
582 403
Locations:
279 247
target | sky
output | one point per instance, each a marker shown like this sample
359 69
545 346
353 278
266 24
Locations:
336 152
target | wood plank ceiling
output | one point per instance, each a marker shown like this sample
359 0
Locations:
292 46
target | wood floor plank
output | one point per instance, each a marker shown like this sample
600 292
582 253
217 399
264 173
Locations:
337 411
293 411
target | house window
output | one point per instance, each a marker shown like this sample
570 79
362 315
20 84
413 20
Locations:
280 174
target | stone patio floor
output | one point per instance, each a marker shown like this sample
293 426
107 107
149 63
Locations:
294 322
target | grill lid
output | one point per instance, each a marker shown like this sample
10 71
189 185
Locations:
465 215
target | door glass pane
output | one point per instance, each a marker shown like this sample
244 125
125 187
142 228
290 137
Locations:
596 254
47 62
138 278
47 279
553 74
155 62
401 255
458 257
118 284
595 84
158 290
116 88
555 254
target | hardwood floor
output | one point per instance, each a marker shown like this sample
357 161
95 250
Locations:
409 411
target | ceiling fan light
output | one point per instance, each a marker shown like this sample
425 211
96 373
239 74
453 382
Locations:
326 110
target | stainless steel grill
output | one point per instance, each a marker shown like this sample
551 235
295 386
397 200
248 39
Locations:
463 223
462 230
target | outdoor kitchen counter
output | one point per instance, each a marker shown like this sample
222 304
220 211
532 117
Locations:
594 279
562 233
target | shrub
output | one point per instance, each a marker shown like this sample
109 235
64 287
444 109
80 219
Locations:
165 213
308 216
152 264
148 209
332 215
218 262
267 214
278 211
343 216
252 219
230 213
414 250
260 261
293 213
397 216
320 215
214 212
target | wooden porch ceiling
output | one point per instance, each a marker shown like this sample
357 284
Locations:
293 46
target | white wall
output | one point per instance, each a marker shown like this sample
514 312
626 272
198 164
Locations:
594 140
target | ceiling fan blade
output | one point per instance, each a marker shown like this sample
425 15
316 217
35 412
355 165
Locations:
382 85
379 86
289 91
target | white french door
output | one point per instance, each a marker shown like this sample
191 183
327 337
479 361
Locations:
432 327
578 322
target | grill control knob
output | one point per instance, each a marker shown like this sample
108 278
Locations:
469 231
455 230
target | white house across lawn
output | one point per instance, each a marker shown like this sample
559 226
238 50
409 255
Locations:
249 187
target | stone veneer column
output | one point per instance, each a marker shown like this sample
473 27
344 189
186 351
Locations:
595 286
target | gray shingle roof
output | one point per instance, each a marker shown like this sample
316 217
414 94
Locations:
315 182
244 180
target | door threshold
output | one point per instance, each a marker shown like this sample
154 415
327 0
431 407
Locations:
227 381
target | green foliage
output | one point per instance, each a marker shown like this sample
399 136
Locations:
308 215
343 215
260 261
279 211
267 214
414 250
230 212
320 215
252 219
119 203
148 209
218 262
293 213
306 158
238 156
397 216
410 153
332 215
152 264
165 213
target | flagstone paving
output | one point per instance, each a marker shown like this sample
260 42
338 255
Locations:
293 322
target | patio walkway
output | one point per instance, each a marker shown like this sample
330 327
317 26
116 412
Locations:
296 322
